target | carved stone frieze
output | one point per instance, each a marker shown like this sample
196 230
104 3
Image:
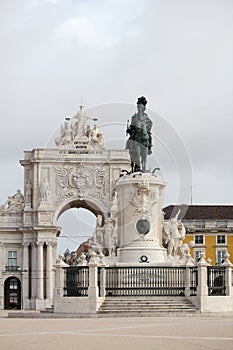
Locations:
81 181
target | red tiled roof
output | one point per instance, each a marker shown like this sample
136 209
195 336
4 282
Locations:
200 212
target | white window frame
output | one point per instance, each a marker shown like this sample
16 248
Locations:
221 243
196 253
219 259
203 243
10 259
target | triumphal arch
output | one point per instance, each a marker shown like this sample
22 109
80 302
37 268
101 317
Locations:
78 172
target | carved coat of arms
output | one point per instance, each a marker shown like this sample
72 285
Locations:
143 199
81 181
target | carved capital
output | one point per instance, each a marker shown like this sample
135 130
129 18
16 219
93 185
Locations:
25 244
50 244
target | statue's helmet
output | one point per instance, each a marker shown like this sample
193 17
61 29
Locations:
142 101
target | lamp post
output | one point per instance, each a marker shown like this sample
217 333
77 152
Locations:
22 284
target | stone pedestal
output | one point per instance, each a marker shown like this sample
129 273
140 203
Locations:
140 219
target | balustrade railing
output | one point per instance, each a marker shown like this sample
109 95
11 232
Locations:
216 280
76 281
144 281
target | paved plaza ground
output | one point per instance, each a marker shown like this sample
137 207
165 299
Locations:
142 333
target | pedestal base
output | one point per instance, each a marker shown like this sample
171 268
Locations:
141 255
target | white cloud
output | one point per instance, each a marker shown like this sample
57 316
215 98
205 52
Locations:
97 29
85 32
178 53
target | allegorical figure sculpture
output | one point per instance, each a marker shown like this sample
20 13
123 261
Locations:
140 141
28 193
13 203
174 234
75 131
80 123
44 190
110 237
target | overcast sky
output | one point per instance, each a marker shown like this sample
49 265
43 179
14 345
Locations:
178 53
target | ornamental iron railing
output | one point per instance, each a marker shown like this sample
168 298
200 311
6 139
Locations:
193 275
144 281
76 281
216 280
12 268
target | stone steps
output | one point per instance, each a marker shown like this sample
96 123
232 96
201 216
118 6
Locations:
145 307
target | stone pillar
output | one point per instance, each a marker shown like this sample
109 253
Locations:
202 288
49 273
187 281
34 271
228 266
102 275
53 272
40 271
59 278
25 276
93 290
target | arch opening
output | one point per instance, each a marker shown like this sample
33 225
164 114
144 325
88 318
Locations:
77 226
12 293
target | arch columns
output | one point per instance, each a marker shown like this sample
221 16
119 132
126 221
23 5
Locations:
43 266
49 273
25 276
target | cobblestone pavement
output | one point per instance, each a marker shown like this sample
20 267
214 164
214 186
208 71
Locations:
145 333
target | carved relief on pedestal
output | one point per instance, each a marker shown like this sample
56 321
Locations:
143 199
81 181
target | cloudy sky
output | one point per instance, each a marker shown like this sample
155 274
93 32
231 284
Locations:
178 53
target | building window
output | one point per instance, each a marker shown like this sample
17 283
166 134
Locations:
13 298
221 239
221 255
199 239
13 284
197 255
12 261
